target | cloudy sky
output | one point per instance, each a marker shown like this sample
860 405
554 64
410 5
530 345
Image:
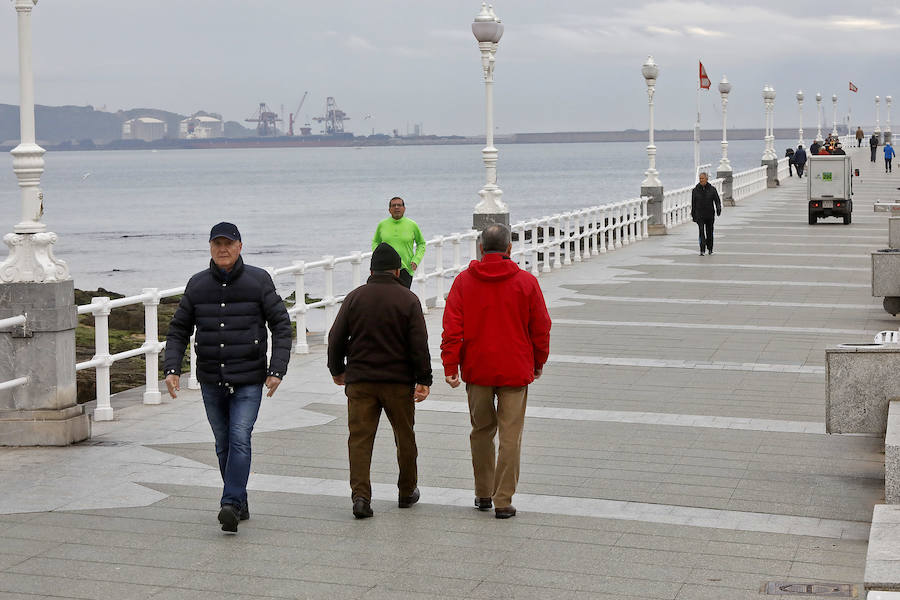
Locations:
563 65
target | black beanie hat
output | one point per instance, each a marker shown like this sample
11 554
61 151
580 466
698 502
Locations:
384 258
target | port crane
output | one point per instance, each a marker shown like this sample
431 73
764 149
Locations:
265 119
296 113
334 117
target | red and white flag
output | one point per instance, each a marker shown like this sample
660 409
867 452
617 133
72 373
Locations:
853 88
705 83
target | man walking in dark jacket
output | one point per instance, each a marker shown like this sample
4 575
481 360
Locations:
378 350
873 146
230 304
705 205
800 159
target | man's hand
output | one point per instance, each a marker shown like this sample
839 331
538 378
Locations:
272 383
421 393
452 380
172 382
413 266
338 379
718 213
538 373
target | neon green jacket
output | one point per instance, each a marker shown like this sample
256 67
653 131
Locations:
401 235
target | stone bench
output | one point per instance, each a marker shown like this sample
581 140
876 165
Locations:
883 556
860 381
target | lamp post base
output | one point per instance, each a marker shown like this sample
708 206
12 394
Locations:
657 224
727 178
44 411
481 221
771 172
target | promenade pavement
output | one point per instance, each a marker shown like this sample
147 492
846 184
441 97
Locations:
674 449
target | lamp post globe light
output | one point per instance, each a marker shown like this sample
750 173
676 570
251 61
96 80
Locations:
488 30
819 117
877 119
724 89
800 108
30 244
650 71
834 129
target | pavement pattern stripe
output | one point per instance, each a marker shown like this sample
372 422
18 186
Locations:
743 282
822 330
803 267
685 364
632 299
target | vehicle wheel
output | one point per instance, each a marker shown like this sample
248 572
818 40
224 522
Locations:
812 219
847 219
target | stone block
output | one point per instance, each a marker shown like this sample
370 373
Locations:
727 178
655 224
771 172
886 273
893 232
892 455
860 381
883 555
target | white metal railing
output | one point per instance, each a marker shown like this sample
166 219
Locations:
540 245
8 323
784 168
751 182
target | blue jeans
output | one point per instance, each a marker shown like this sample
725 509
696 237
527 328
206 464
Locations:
232 413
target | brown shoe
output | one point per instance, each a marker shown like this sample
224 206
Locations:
505 513
484 504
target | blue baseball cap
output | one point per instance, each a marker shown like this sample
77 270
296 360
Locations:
225 230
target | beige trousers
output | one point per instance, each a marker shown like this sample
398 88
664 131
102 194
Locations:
496 474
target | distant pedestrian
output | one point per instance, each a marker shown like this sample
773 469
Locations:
800 159
378 350
230 304
789 154
814 148
838 150
496 339
404 235
888 155
705 206
873 145
859 136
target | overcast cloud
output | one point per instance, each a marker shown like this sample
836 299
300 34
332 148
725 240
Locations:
567 65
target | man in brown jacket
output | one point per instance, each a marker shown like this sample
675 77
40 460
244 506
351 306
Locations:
378 349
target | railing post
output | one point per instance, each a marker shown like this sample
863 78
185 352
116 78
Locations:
568 250
547 266
439 301
557 245
421 283
457 265
152 346
584 236
534 249
522 255
645 217
302 346
103 411
329 296
356 261
602 225
594 214
193 382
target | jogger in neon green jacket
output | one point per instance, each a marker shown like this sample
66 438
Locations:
404 236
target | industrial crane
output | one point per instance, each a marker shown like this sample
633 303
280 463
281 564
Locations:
291 118
266 120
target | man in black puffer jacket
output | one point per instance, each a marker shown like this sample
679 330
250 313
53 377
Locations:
705 205
230 304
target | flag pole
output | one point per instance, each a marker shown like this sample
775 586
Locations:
697 131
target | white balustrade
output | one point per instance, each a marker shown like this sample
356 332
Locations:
9 323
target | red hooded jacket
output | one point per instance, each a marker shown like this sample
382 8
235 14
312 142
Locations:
496 324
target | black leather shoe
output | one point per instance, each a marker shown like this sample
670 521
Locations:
407 501
228 517
505 513
362 509
245 511
483 504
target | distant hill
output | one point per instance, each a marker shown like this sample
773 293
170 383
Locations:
78 124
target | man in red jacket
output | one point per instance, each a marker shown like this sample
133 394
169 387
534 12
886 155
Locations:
497 330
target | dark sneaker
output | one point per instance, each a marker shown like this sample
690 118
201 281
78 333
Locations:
710 252
228 517
703 254
505 513
245 511
483 504
362 509
407 501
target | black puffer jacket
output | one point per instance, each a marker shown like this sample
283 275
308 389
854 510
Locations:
230 314
705 203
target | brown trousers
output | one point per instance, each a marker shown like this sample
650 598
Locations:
364 404
496 475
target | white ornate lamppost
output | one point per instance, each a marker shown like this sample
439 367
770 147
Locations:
834 129
488 30
887 129
30 245
724 89
650 71
800 107
877 119
768 95
819 117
